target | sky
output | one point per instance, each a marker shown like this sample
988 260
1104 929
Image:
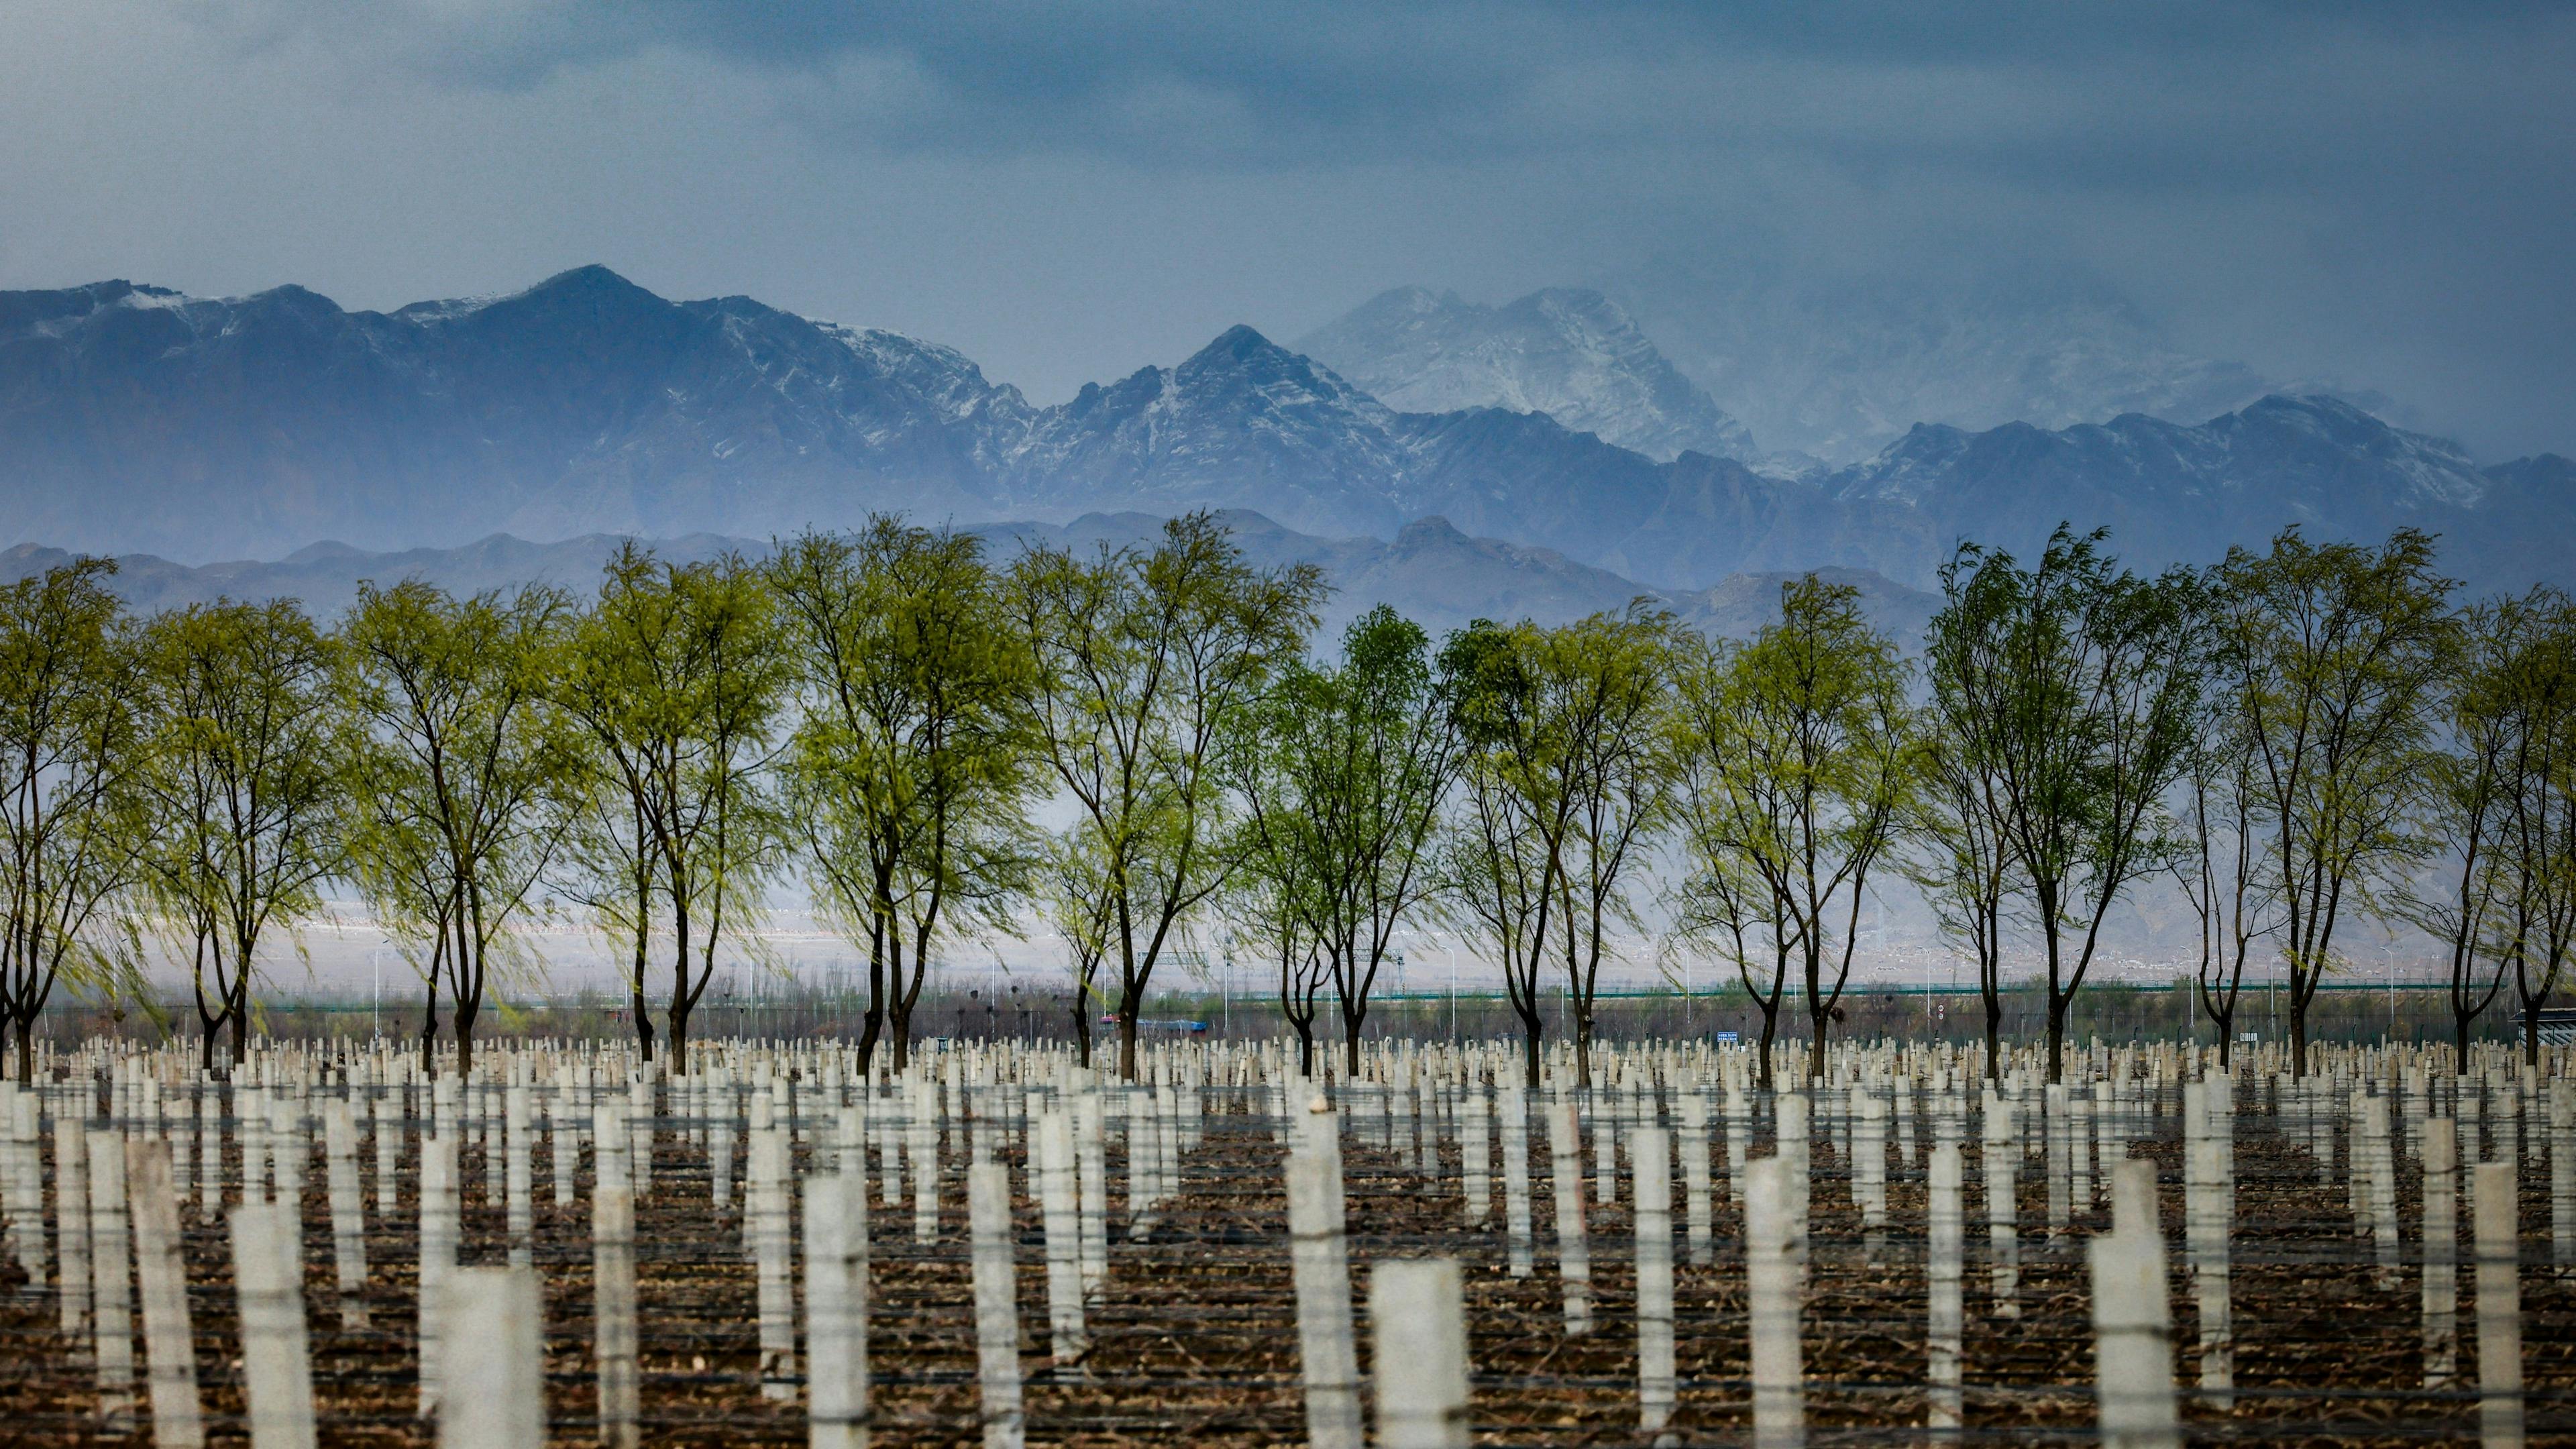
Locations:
2381 194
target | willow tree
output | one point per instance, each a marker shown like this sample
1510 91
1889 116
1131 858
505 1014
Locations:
70 815
1342 774
1958 857
1273 907
2221 867
1144 660
1797 757
1565 779
242 770
2492 733
1072 892
2534 681
2078 685
1499 865
631 635
912 765
2332 655
678 674
460 773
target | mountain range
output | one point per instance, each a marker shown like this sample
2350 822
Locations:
1430 571
136 419
1567 352
1839 363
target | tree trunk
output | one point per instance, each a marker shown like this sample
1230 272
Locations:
680 995
2299 1032
1081 1027
898 1010
1532 1025
2056 1036
1770 1034
429 1031
465 1014
872 1027
25 1031
635 1001
1127 1037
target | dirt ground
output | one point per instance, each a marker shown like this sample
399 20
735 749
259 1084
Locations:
1195 1340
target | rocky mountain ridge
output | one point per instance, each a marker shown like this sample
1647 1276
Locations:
1570 353
135 419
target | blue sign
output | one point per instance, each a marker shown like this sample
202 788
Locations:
1727 1036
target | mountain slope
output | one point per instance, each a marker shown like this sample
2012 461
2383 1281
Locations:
1840 366
1243 423
1566 352
2169 492
135 419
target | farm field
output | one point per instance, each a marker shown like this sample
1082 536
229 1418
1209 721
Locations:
1191 1323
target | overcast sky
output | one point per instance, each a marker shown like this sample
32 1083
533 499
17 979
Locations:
1068 191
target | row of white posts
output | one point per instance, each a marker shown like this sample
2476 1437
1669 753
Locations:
2132 1318
117 1190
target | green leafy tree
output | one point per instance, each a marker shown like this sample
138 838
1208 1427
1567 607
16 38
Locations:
1342 775
1958 856
1272 905
2493 732
461 775
2078 685
914 762
1498 868
71 815
2532 679
1565 784
1610 674
1796 757
2220 867
242 772
620 658
686 665
2333 656
1145 658
1073 891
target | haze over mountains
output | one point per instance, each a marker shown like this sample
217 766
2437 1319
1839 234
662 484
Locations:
1430 571
1567 352
1840 364
133 419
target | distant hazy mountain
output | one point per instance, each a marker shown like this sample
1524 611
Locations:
1838 367
1434 574
1566 352
1743 603
132 419
2169 492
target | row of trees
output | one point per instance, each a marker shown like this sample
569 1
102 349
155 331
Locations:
1135 746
